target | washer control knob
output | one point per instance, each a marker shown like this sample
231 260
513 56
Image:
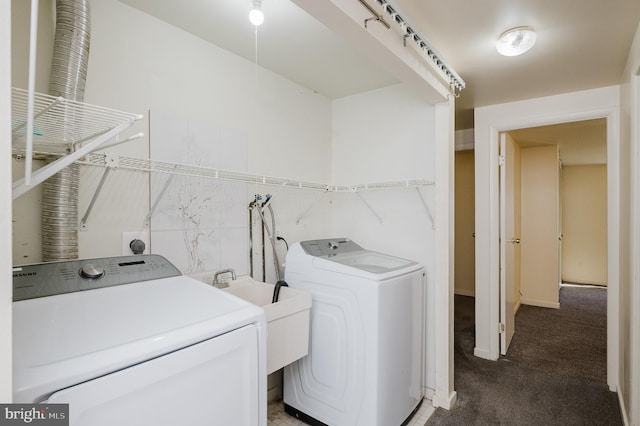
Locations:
92 271
333 245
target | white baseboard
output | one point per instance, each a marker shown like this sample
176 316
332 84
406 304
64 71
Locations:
623 409
540 303
429 393
447 401
484 354
461 292
515 309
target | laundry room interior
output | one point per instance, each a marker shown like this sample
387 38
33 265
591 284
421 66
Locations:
313 157
287 131
218 132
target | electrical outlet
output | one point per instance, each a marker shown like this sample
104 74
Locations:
127 237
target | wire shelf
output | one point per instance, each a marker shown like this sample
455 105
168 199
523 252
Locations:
111 161
147 165
61 124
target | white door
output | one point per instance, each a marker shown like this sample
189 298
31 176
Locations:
509 241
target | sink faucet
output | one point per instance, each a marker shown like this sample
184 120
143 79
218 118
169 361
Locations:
217 283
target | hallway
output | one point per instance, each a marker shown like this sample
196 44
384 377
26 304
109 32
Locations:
554 373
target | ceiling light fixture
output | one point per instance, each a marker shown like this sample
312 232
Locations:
256 16
516 41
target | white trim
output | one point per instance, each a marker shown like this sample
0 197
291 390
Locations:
577 106
539 303
633 410
623 410
445 402
444 395
480 353
428 394
5 200
613 247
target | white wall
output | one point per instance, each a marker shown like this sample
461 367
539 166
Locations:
379 136
5 200
288 126
140 64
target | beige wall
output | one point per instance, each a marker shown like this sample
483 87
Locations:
540 225
465 223
584 224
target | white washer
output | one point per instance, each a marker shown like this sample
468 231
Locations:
131 341
365 356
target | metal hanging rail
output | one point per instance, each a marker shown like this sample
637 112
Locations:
410 31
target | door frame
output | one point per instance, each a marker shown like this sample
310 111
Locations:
634 409
489 121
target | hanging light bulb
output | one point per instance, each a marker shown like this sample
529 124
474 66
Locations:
256 16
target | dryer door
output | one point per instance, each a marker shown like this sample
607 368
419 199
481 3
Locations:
212 382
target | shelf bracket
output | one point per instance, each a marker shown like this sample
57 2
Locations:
303 214
120 142
376 16
83 222
274 195
366 203
21 186
147 220
426 208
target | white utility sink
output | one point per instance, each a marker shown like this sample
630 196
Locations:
287 319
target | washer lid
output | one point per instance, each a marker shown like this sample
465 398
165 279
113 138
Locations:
366 264
343 256
371 261
62 340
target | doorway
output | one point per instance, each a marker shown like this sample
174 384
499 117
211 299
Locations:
489 121
534 262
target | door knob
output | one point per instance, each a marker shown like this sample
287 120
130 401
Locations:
514 241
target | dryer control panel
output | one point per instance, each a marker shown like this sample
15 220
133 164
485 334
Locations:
49 279
329 247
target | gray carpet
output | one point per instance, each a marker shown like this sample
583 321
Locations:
554 372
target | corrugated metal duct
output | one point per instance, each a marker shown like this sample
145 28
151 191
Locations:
67 79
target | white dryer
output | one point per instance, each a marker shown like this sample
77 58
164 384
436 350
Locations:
364 366
131 341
